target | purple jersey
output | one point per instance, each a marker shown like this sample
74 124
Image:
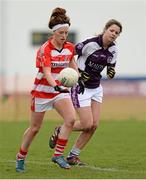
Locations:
93 58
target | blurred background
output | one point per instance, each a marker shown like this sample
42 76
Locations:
24 27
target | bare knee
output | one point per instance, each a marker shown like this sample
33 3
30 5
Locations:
94 127
70 122
34 129
90 128
87 127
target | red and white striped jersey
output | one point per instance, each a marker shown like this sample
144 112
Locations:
49 56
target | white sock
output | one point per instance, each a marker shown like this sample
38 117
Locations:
74 152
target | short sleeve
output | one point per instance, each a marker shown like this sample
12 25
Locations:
114 52
43 58
86 47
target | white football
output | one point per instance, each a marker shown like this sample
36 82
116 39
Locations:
68 77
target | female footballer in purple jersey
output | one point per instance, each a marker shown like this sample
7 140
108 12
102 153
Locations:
94 55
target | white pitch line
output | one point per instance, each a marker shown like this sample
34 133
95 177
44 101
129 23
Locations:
101 169
87 166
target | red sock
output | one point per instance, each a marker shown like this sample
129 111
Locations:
21 154
60 146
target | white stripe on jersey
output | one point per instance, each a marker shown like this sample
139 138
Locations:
43 88
63 52
40 75
88 49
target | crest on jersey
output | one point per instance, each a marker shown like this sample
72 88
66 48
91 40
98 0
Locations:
80 45
109 59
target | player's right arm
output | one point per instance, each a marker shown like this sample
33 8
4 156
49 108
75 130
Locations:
48 76
44 62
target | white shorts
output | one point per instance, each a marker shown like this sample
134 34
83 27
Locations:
42 105
82 100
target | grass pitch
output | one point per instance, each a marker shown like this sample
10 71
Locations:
116 151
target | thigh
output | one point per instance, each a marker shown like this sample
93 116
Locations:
36 118
81 100
42 105
98 94
95 111
85 116
65 108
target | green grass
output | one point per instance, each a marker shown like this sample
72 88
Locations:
116 151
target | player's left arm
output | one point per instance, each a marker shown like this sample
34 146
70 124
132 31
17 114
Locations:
111 66
111 72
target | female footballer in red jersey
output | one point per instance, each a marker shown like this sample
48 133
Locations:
47 93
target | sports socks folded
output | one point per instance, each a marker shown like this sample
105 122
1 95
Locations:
74 152
60 146
21 154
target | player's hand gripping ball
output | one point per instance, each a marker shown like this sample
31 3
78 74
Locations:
68 77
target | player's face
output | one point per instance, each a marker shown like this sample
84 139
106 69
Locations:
112 33
60 35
